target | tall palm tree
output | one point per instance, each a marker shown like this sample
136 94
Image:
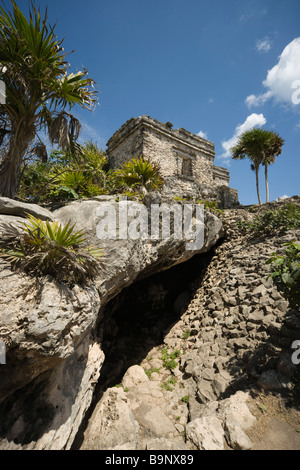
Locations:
261 146
40 92
273 150
248 146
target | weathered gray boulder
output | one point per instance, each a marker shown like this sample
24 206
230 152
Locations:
42 323
128 259
114 426
206 433
222 421
134 376
21 209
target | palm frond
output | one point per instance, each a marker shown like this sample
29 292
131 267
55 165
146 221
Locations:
49 248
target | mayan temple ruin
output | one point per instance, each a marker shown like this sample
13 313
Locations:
186 161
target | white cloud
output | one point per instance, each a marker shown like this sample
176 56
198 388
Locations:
89 133
281 78
282 197
202 134
253 120
263 45
252 13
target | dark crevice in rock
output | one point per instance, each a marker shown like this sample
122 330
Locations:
139 318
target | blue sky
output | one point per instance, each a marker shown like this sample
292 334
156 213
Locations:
214 67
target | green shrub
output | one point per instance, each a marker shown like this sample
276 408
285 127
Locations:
168 384
169 358
186 334
185 399
179 199
42 248
137 173
66 176
279 220
211 206
286 273
150 371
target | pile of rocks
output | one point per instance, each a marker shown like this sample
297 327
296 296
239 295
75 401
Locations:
239 320
141 415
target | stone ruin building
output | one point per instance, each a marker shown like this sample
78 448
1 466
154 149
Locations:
186 161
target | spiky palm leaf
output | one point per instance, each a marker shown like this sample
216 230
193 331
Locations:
43 247
139 172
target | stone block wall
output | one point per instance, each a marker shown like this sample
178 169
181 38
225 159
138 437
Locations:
186 161
220 176
176 151
125 144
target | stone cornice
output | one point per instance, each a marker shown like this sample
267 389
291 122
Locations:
180 136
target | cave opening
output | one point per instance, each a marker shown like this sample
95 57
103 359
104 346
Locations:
139 317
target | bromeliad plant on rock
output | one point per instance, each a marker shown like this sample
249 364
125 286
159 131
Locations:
41 248
137 174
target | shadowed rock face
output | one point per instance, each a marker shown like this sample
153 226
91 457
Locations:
53 354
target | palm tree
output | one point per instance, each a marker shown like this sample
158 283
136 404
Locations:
247 145
273 150
39 92
261 146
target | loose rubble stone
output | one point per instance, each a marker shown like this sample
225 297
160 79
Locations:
206 433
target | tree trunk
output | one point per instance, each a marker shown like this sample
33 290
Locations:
267 183
257 184
11 163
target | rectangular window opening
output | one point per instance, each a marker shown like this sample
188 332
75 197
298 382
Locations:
186 169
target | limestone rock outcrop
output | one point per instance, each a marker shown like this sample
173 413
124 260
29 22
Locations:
53 354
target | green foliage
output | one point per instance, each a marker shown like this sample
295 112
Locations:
279 220
211 206
66 176
131 195
179 199
261 146
39 90
169 358
150 371
186 334
286 273
185 399
42 248
138 173
168 384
